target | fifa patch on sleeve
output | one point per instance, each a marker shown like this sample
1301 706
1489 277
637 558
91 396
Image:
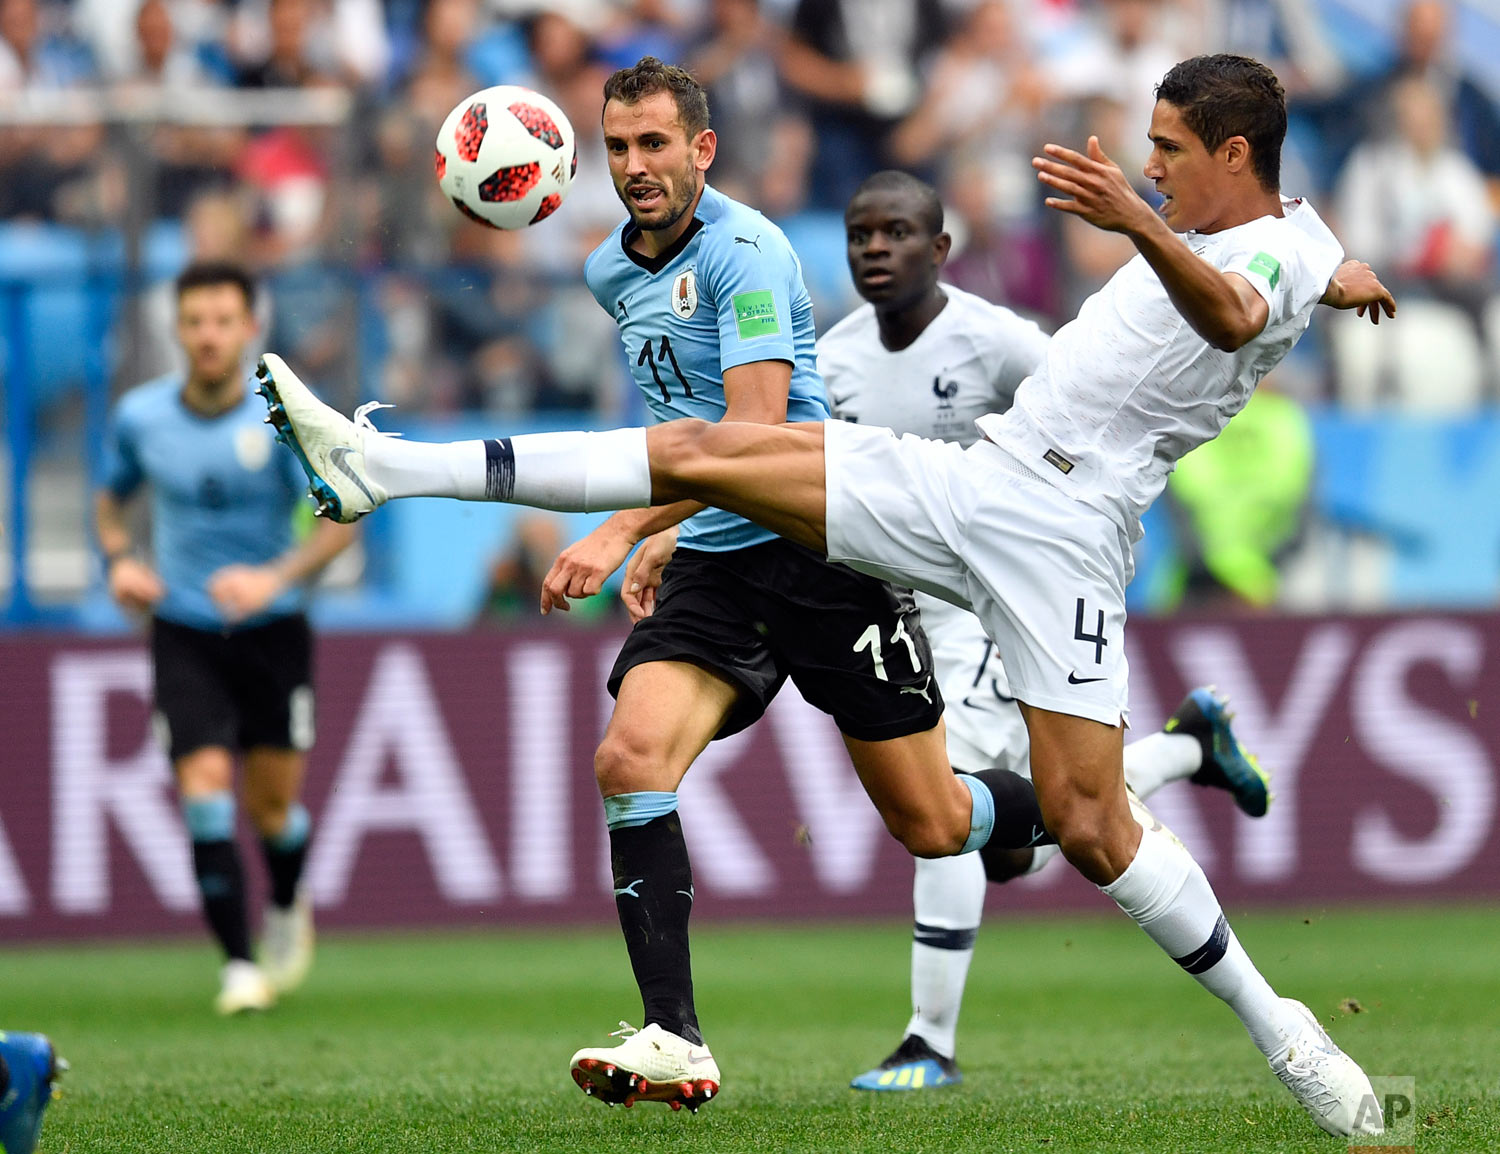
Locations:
1266 265
755 315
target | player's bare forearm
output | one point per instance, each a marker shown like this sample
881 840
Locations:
1354 285
309 558
109 526
635 525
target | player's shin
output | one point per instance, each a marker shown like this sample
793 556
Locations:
654 898
216 864
568 472
1169 897
948 901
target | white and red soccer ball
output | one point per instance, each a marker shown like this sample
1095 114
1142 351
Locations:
506 156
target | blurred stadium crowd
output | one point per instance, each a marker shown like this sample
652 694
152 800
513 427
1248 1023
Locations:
297 135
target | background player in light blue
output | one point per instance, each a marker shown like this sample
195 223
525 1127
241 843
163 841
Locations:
231 652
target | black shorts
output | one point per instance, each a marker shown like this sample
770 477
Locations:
853 644
240 689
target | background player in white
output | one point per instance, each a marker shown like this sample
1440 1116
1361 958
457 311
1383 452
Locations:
1030 526
928 358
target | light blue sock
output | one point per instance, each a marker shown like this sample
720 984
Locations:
628 810
293 835
982 817
210 817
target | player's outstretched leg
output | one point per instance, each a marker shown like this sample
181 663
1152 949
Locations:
1226 763
28 1067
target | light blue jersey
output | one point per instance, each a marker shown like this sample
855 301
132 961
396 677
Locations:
221 493
728 293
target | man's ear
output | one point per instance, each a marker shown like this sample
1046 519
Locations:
1236 153
704 149
942 245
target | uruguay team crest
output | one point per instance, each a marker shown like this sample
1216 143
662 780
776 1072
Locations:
685 294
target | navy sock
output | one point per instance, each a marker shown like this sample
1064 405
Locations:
1018 816
221 882
654 898
284 855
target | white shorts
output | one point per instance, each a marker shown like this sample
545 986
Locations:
1044 573
984 723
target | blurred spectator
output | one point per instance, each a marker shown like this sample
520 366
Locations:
1414 205
763 149
39 163
1421 49
1132 45
1004 260
1238 505
515 584
858 64
216 228
344 40
290 57
1093 255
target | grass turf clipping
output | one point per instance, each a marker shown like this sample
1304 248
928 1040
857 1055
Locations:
1077 1035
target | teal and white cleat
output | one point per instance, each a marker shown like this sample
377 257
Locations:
913 1066
28 1068
1329 1084
243 989
1227 764
329 445
650 1065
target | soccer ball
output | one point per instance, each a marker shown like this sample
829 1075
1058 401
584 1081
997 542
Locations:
506 156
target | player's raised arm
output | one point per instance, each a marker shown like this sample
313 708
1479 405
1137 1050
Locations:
1223 308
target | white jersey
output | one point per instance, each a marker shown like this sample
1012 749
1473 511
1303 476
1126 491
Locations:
969 361
1129 387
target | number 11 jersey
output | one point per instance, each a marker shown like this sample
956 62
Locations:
728 292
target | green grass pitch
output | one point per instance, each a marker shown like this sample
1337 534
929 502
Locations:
1077 1036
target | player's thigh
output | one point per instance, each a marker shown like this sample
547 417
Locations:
1047 578
854 644
770 474
707 617
983 720
666 713
193 699
890 508
273 781
272 685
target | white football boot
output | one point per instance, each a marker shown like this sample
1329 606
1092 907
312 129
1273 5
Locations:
242 987
286 944
1329 1084
650 1065
329 445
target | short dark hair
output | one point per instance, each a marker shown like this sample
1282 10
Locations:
1225 95
648 76
205 273
929 204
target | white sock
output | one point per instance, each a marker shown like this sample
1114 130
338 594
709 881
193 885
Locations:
1159 758
569 472
948 897
1166 893
1040 856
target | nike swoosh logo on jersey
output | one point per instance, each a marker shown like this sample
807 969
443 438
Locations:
1074 679
337 456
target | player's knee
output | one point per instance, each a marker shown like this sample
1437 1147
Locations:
928 835
267 814
622 766
678 447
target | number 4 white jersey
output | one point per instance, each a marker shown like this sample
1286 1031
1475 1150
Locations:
1129 387
969 361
